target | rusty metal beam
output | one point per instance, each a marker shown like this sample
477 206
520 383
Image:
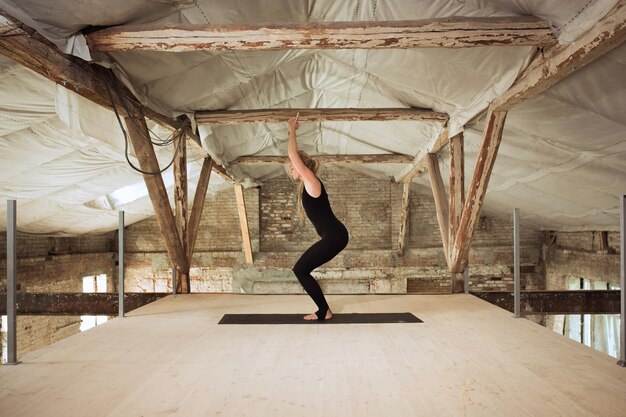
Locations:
77 304
557 302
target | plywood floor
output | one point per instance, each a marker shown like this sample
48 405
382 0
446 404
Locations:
468 358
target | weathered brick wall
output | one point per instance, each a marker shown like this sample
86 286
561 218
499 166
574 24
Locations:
370 209
48 264
579 254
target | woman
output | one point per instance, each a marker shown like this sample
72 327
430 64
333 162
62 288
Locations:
313 199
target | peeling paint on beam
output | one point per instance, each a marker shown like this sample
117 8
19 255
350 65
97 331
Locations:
451 32
232 117
76 304
557 302
328 159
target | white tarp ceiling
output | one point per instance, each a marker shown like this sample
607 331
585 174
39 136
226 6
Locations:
561 159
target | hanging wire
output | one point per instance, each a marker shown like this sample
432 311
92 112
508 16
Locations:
178 134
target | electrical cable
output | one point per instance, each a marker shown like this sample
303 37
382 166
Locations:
179 133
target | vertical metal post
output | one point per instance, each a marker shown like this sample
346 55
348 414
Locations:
516 255
622 282
173 280
121 264
466 279
11 284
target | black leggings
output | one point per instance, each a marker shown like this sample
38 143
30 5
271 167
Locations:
321 252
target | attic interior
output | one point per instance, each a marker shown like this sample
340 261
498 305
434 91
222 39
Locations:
433 122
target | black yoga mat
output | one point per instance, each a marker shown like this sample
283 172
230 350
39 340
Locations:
337 318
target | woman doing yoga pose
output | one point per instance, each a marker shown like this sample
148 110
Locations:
314 200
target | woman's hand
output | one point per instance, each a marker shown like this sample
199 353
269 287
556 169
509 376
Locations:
294 123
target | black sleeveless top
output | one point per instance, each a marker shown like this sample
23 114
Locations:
319 212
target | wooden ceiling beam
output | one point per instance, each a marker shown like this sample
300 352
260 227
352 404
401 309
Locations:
448 32
234 117
328 159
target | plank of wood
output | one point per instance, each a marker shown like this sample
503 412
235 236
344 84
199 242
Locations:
448 32
138 133
181 205
477 189
232 117
76 304
198 206
404 218
457 186
561 61
328 159
243 220
441 201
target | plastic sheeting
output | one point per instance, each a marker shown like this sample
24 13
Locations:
561 159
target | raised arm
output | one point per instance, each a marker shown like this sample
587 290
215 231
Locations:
311 182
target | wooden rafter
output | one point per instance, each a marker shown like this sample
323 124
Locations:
477 190
441 200
243 220
25 46
138 132
404 218
449 32
232 117
181 203
198 205
457 185
328 159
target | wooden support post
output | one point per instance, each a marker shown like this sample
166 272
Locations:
477 189
11 295
243 219
404 218
441 201
139 136
457 199
420 166
198 206
181 202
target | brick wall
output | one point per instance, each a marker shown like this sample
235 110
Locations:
48 264
370 209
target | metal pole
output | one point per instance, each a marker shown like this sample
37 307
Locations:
516 266
466 279
622 282
11 285
121 264
174 280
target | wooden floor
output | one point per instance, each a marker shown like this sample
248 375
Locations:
468 358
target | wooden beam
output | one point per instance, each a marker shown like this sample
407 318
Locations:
449 32
198 206
557 302
422 164
243 219
138 134
477 190
457 200
561 61
441 200
328 159
232 117
404 218
181 205
76 304
25 46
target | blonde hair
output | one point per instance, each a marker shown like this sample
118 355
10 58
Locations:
314 165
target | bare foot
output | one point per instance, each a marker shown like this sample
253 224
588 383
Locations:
313 316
